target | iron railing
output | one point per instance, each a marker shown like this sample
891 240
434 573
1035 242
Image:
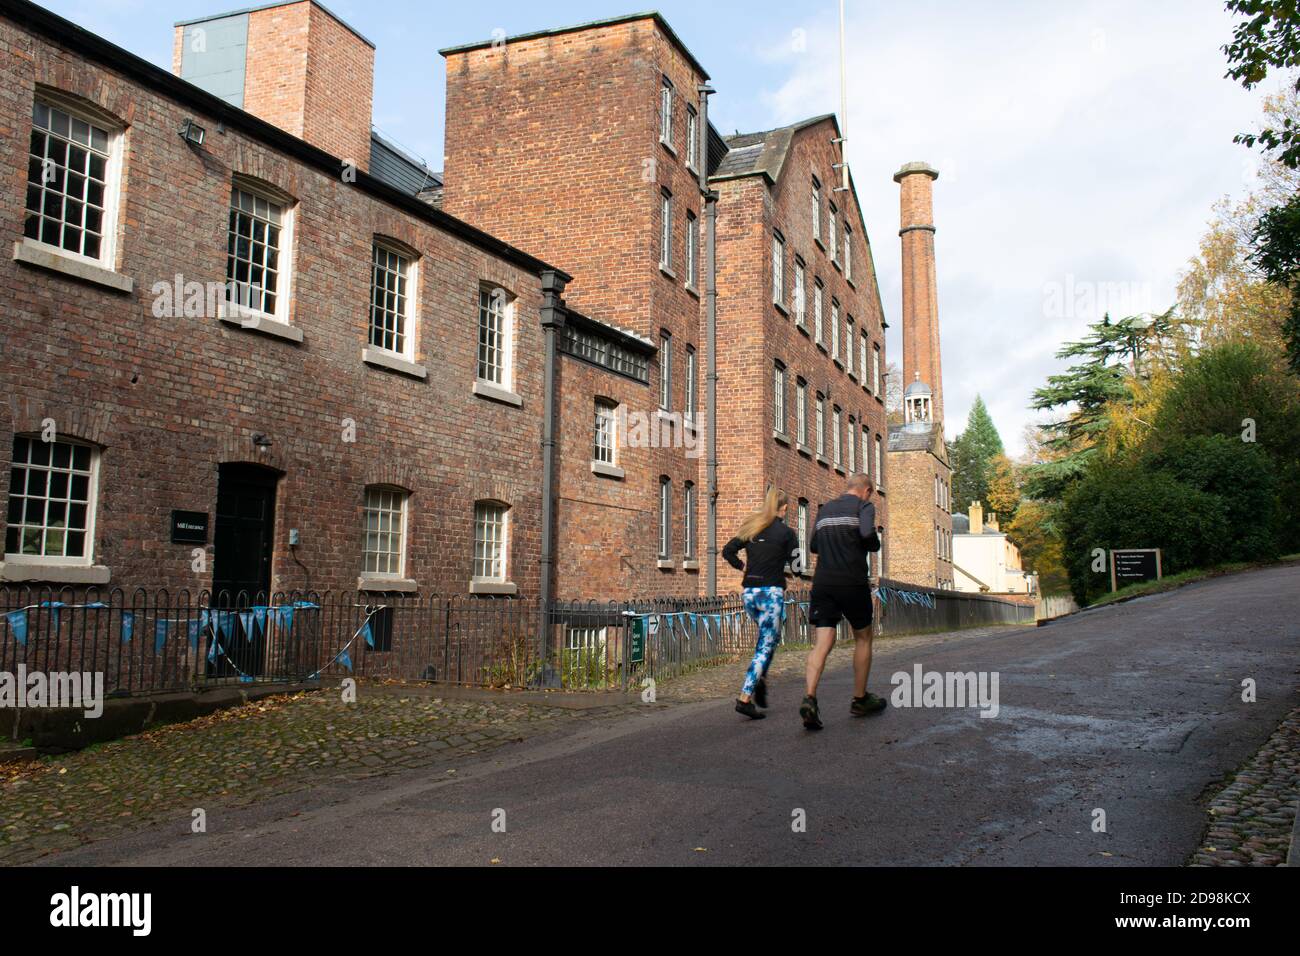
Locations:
157 641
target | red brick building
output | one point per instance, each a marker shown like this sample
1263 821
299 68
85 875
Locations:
231 304
626 159
237 324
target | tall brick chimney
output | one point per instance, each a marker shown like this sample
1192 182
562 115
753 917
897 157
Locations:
293 64
920 288
976 518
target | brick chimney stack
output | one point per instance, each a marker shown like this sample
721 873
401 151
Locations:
976 518
293 64
920 288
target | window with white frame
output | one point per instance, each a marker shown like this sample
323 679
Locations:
865 450
605 446
692 138
491 530
875 370
835 328
688 520
778 397
778 269
665 516
665 371
851 456
495 334
256 252
802 529
688 413
848 252
835 436
880 474
666 230
385 544
800 294
862 356
816 208
801 411
390 279
584 640
817 311
692 250
71 183
666 112
51 512
819 423
850 337
831 246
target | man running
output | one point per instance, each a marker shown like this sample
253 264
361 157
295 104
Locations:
844 534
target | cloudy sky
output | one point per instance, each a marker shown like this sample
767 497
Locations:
1080 145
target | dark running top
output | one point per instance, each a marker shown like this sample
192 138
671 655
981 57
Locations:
843 535
767 554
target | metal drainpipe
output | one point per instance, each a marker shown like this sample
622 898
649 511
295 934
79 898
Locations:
552 316
711 335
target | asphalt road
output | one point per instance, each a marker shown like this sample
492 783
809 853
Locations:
1135 710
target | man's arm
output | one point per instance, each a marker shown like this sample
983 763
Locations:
867 526
812 541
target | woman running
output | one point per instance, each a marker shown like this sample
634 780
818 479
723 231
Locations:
769 546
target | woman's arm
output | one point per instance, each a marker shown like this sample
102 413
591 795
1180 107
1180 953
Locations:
731 553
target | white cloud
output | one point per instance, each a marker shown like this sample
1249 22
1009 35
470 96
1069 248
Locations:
1081 145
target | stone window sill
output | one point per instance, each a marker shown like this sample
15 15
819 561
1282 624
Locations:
804 450
822 346
33 253
692 290
668 271
667 145
496 393
782 309
260 322
493 587
378 585
823 460
782 437
606 470
15 568
802 326
393 363
666 564
691 564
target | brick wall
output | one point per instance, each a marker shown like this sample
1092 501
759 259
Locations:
170 398
913 555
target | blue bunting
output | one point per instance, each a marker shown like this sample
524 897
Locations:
54 612
18 624
160 627
366 633
344 659
128 626
286 617
246 619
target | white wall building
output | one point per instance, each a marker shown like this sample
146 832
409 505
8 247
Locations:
983 559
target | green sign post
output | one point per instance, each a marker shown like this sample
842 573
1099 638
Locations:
636 653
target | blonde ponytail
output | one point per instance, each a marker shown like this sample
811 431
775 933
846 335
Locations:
773 502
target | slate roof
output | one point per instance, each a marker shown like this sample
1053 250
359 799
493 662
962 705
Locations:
752 154
391 164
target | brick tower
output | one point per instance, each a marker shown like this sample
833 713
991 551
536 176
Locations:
920 297
919 536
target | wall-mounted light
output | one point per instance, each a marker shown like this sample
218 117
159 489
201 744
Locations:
193 133
262 441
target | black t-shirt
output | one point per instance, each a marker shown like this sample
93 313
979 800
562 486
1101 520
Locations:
767 554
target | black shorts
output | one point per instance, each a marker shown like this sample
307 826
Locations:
830 602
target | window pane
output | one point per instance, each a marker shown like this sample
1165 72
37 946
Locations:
49 494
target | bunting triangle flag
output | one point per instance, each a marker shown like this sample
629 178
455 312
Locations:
194 628
18 624
225 623
246 619
344 659
128 626
160 627
286 616
54 612
366 632
259 615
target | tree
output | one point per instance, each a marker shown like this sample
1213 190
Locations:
1130 506
1277 254
1268 39
970 455
1032 530
1003 490
893 394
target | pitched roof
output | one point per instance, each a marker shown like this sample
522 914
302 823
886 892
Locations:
753 154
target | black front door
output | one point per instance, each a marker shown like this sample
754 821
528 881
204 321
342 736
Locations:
241 566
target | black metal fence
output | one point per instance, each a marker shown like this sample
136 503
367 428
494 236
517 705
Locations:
156 641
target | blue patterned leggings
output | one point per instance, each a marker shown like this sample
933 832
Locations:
767 608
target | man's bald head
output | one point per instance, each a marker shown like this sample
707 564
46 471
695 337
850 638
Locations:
860 484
